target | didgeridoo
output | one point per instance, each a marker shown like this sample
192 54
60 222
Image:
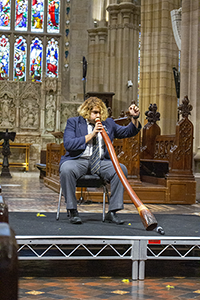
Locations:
148 219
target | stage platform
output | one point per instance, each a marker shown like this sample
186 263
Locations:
45 224
41 237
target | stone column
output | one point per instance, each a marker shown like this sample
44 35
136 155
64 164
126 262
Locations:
112 36
158 55
91 52
97 51
190 67
123 53
102 34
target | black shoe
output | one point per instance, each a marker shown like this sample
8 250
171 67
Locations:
74 217
111 217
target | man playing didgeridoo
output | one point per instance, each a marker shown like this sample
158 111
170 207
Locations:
81 136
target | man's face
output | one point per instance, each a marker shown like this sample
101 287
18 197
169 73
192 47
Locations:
95 113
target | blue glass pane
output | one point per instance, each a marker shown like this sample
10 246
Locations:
36 60
52 58
20 59
53 16
4 14
37 16
21 14
4 57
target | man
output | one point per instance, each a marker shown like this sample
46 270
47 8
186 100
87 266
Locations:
79 136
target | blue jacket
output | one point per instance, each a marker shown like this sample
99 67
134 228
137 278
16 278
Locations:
76 129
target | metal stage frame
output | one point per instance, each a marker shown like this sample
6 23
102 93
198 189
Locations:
138 249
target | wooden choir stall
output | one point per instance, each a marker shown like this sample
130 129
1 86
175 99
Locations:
159 166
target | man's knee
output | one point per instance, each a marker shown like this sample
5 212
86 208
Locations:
66 169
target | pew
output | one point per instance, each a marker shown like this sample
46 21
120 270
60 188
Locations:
168 159
42 164
159 166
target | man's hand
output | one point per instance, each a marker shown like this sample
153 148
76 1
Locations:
134 114
134 111
98 128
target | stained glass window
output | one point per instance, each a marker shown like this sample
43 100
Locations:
4 14
37 16
32 40
4 57
21 14
36 60
52 58
20 52
53 16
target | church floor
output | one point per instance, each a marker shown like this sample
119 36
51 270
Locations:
108 288
41 280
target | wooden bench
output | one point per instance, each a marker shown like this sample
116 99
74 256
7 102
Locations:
41 166
167 159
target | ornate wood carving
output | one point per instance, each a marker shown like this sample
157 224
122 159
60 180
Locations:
130 154
163 145
180 160
152 115
185 108
150 131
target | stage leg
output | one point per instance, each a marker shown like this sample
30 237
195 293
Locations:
134 269
141 269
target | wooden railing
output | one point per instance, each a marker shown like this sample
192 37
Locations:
25 147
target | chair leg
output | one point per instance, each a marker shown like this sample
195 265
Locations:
104 202
105 193
81 199
59 201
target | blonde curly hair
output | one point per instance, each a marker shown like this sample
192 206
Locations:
85 109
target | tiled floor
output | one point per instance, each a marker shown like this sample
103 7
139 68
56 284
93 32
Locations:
100 279
26 192
109 288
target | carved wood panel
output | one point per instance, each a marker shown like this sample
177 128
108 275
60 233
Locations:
181 154
163 145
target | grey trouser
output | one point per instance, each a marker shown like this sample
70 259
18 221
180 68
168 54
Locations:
71 170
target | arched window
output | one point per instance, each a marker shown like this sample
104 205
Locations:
20 58
36 55
21 15
52 58
5 15
30 39
4 57
37 16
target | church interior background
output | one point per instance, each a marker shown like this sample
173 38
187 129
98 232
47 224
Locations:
131 48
